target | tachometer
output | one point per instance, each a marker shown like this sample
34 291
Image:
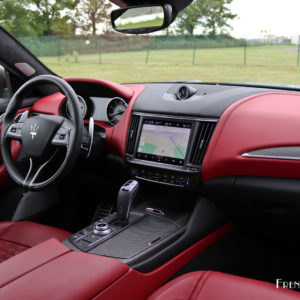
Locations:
83 107
115 109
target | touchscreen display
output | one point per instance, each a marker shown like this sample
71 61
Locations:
164 141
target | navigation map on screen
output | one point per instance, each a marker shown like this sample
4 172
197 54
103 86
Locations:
168 140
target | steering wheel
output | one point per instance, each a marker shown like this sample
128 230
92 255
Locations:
42 135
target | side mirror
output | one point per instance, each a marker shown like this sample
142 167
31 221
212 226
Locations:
142 19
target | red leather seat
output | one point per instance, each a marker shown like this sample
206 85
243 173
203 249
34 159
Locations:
218 286
16 237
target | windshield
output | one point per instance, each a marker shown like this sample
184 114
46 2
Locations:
210 41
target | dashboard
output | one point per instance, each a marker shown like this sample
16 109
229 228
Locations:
182 134
237 146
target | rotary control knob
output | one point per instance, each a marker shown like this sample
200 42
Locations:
102 228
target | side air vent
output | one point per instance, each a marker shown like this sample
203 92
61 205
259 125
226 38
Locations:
134 123
202 140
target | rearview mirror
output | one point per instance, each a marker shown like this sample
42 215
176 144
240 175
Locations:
142 19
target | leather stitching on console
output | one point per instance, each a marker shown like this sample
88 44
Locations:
7 229
9 249
13 242
35 268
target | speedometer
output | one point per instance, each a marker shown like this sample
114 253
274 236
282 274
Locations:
82 104
115 110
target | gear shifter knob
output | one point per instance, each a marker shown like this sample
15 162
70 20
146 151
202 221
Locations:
125 197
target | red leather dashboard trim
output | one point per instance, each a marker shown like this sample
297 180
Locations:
116 137
135 285
122 90
257 122
50 104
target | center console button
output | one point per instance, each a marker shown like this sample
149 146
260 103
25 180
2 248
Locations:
82 244
76 236
91 237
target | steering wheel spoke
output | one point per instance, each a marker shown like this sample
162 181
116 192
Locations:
35 169
14 131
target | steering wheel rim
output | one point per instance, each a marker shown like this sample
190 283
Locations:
49 126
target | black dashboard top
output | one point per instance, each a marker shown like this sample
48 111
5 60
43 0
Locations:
210 100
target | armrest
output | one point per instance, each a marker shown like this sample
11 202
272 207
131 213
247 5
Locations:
30 259
51 271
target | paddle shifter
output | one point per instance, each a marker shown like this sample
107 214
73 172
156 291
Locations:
126 195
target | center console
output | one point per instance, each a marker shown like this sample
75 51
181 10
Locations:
168 149
155 229
132 235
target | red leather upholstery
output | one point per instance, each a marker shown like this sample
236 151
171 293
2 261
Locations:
71 276
15 237
51 270
31 259
8 249
217 286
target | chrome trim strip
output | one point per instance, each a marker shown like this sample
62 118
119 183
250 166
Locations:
41 168
250 155
24 116
91 134
160 165
29 171
38 171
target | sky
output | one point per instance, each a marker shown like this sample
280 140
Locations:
282 17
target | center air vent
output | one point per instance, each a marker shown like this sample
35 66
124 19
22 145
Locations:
204 134
134 124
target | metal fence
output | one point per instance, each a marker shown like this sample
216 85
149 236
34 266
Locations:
123 49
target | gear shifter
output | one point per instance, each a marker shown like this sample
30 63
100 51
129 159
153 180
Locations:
125 197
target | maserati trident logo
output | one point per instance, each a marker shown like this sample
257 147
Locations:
34 128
